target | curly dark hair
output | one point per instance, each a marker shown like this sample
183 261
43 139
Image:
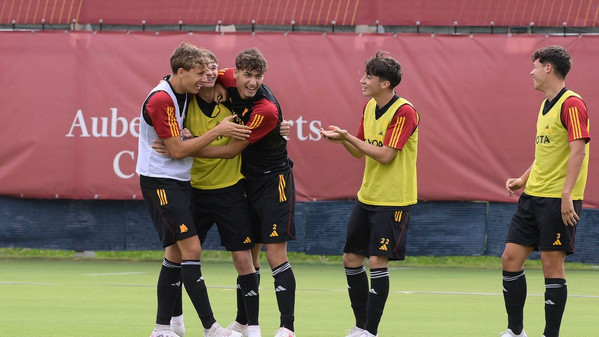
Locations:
251 60
557 56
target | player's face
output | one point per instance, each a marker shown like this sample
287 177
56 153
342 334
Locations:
193 79
538 74
248 82
211 74
371 85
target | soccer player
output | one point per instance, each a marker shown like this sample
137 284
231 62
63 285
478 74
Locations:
219 197
388 137
166 189
549 208
269 177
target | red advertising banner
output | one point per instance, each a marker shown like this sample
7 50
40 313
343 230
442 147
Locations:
70 105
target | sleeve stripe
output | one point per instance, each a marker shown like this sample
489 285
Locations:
172 121
397 131
575 123
256 122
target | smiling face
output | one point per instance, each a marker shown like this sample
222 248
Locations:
248 82
539 74
191 80
372 85
211 74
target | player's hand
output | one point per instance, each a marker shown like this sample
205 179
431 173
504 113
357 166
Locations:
186 134
158 146
569 216
513 184
285 128
228 128
334 134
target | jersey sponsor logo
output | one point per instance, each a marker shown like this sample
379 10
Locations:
557 241
162 196
374 142
183 228
274 231
543 140
282 184
247 240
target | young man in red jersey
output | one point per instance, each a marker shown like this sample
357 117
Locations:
388 137
268 171
554 184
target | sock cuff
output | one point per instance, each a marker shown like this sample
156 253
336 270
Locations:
355 271
379 273
276 271
513 275
555 283
191 263
246 277
168 264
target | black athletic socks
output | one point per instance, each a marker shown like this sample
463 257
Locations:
357 287
377 297
169 286
178 309
556 294
248 287
191 273
285 292
241 317
514 296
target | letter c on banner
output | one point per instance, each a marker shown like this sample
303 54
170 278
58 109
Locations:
116 167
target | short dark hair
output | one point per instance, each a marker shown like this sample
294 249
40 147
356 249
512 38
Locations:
385 67
557 56
251 60
187 56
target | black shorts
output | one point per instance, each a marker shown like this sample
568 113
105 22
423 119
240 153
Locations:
378 231
272 206
169 203
228 208
538 223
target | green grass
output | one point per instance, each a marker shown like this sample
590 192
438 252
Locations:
57 294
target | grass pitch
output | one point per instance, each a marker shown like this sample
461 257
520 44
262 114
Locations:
99 297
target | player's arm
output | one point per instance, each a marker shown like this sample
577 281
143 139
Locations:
357 147
514 184
178 148
333 135
575 118
228 151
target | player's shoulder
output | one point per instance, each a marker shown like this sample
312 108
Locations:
160 96
265 107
